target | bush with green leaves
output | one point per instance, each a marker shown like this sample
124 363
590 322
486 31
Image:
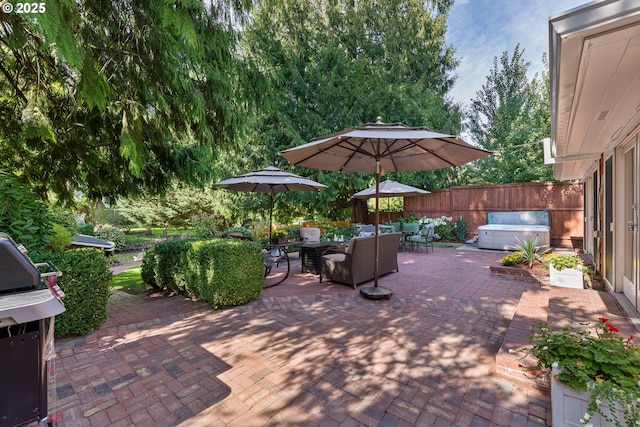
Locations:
460 229
23 215
163 266
206 226
60 238
512 259
111 234
447 228
86 229
86 281
64 217
530 250
223 272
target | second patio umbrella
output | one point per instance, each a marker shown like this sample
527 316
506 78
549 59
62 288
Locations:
389 189
269 180
374 147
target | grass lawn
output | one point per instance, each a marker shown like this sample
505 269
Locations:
129 281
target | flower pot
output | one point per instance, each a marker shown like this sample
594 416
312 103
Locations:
568 406
566 278
279 240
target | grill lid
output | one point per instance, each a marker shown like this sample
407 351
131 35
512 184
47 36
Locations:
17 272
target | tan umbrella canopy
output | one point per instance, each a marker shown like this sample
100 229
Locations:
389 189
270 180
393 147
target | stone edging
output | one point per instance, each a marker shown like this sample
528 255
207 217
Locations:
513 273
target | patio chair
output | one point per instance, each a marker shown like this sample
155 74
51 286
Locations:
310 233
274 257
425 237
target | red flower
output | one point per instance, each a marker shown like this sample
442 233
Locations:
630 337
603 319
612 328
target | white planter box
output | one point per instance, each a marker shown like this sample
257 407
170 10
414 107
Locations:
567 278
569 405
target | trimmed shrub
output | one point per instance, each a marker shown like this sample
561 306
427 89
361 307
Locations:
86 281
223 272
228 273
162 266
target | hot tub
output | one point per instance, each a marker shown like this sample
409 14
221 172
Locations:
504 227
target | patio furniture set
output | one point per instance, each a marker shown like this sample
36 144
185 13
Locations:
346 261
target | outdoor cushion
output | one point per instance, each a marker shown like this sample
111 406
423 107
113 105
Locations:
311 233
367 230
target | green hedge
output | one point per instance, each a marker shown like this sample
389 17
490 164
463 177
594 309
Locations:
86 281
223 272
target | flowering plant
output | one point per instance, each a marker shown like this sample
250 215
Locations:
600 361
278 233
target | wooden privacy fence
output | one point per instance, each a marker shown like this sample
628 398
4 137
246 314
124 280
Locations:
563 201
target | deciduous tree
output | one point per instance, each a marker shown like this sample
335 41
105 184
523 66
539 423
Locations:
510 116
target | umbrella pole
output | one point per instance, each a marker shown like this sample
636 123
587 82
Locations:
376 292
270 216
375 269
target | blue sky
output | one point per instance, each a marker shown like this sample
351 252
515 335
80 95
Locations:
480 30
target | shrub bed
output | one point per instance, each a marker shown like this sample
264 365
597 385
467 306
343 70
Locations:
223 272
86 281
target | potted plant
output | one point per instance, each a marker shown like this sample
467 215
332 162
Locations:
565 270
594 368
279 236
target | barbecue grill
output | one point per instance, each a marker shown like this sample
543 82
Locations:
29 294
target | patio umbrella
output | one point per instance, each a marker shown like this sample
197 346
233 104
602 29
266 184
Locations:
269 180
376 147
390 189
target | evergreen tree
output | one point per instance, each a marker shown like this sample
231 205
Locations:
116 98
334 64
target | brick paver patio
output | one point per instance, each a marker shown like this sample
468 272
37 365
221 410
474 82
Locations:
316 354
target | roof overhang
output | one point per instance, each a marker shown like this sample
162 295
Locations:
594 71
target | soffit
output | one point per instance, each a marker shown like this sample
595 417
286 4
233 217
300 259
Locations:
595 82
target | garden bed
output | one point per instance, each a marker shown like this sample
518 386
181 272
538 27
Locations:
539 273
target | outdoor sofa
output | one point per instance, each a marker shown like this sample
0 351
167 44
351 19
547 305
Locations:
355 266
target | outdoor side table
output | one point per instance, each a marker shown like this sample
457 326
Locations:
310 254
